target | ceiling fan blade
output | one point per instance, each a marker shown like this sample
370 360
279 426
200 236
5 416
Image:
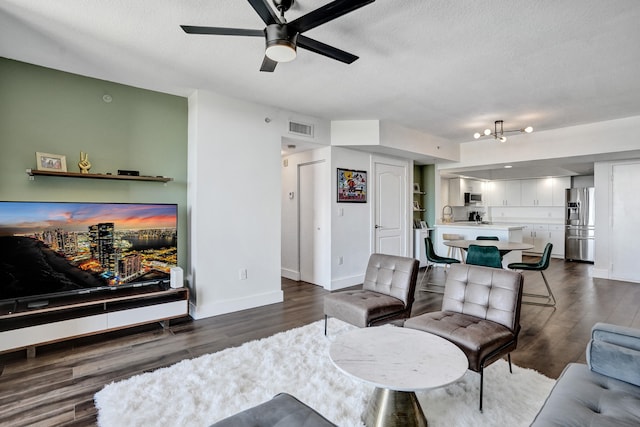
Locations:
266 13
190 29
326 13
325 49
268 64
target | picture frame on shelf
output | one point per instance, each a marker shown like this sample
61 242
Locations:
51 162
351 186
424 225
416 205
416 187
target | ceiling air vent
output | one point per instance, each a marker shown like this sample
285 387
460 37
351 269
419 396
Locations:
301 129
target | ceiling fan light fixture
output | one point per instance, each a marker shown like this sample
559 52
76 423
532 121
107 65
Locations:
281 51
476 135
528 129
281 46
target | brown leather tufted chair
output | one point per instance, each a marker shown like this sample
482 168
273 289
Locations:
387 293
480 314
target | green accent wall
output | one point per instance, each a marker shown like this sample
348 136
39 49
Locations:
44 110
425 177
429 185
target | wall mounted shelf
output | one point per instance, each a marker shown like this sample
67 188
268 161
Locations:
34 172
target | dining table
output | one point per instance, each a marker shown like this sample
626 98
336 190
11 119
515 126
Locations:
503 246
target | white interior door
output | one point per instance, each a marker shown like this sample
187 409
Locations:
625 221
390 207
310 222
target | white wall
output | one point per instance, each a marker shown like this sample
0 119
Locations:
350 223
233 203
603 177
413 141
377 135
290 207
582 181
350 228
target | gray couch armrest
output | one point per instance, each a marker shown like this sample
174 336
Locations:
614 351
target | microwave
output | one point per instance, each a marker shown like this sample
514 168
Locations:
472 198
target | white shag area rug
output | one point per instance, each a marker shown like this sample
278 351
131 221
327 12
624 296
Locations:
200 391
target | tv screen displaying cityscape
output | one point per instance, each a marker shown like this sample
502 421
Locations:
58 248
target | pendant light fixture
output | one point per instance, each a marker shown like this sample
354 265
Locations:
498 131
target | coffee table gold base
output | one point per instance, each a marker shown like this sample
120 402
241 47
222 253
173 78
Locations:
389 408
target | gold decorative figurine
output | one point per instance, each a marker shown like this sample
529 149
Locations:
84 164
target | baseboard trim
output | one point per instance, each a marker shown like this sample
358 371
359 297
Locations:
346 282
603 273
233 305
290 274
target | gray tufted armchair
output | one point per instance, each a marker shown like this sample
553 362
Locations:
387 293
480 314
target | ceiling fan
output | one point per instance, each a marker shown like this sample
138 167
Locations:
283 37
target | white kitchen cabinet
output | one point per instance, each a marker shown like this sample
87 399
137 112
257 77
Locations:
539 235
456 191
476 186
528 192
541 192
544 191
559 186
527 234
490 194
536 235
536 192
556 237
505 193
459 186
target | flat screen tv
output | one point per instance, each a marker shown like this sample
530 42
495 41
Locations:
50 249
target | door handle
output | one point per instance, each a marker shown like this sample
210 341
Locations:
378 226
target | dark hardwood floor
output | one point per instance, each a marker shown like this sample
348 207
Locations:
57 387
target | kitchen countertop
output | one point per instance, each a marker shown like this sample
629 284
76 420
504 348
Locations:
471 224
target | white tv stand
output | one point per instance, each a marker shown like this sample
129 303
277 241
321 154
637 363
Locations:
80 315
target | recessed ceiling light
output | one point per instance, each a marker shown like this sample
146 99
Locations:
508 166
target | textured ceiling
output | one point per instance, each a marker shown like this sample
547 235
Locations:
448 68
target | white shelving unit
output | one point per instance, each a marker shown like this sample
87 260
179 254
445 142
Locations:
76 316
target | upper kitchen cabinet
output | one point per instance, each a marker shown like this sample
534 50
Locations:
459 186
544 191
504 193
558 190
536 192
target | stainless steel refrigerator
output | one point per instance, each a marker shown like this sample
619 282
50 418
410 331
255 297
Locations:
579 237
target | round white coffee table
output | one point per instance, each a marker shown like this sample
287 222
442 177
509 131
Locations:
398 362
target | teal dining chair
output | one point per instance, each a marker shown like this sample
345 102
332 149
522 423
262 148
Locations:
488 256
540 266
502 253
434 259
